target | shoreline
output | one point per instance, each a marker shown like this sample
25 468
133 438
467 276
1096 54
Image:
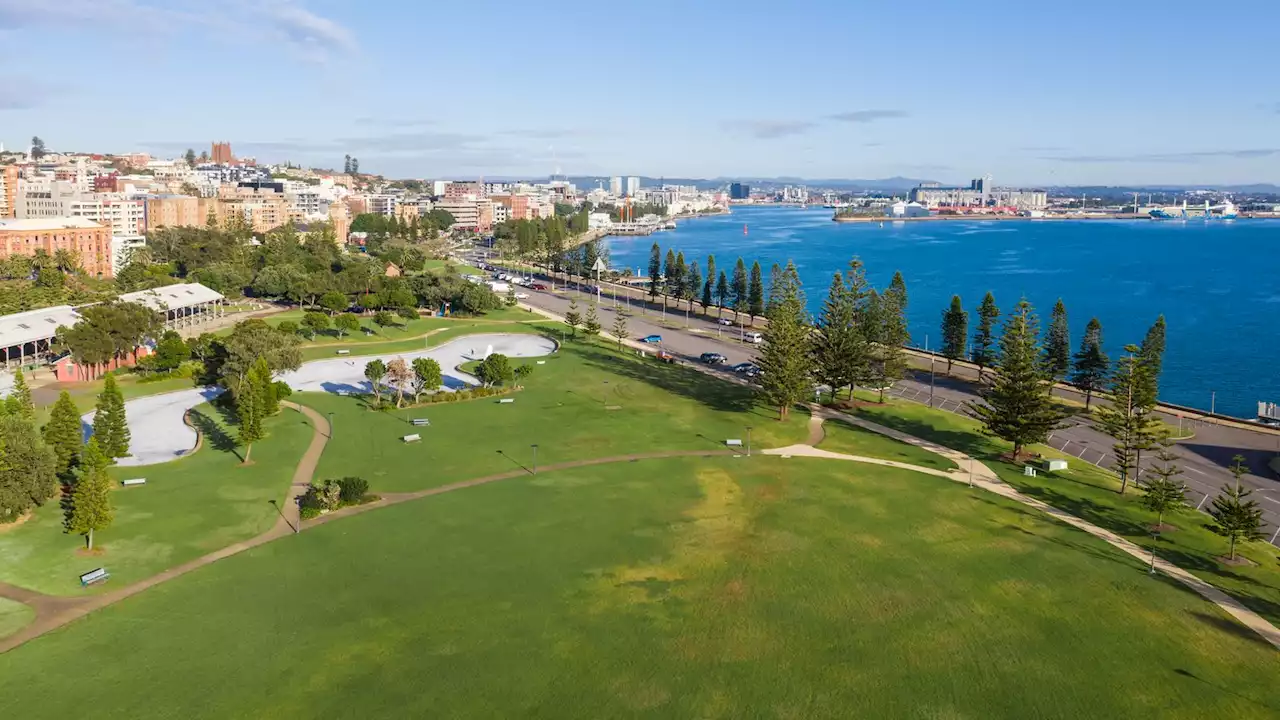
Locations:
1009 218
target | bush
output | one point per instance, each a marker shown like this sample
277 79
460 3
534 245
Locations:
352 490
288 327
282 389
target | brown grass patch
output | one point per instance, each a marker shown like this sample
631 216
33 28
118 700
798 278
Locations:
16 523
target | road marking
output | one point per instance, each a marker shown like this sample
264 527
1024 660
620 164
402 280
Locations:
1264 497
1194 470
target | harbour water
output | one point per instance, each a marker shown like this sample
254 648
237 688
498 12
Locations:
1217 283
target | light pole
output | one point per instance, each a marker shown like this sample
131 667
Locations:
970 472
926 349
331 425
1155 537
748 441
535 458
1213 401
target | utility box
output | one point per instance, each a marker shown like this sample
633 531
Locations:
1029 471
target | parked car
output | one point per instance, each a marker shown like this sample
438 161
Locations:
538 286
754 338
713 358
725 321
654 339
522 296
666 357
748 369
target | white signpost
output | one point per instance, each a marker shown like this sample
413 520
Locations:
599 267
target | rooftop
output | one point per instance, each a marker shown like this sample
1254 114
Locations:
62 223
173 297
33 325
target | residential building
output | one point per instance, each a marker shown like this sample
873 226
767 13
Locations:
739 191
615 186
8 191
221 154
633 186
501 212
341 219
438 187
406 212
469 214
262 206
91 241
463 190
62 198
382 204
172 211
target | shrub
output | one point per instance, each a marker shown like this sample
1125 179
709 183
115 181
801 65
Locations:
282 389
288 327
352 490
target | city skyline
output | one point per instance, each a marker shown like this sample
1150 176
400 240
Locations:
944 94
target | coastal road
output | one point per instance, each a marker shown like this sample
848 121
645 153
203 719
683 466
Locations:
1204 457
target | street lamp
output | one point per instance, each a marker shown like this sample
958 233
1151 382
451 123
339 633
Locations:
535 458
331 425
748 441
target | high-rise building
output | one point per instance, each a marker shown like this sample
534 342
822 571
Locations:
633 186
739 191
615 186
8 191
221 154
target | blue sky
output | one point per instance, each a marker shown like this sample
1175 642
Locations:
1034 93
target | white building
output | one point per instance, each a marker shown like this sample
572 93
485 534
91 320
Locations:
49 198
383 204
597 220
904 209
501 213
615 186
633 186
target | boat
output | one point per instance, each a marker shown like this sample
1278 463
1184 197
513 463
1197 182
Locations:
1225 211
744 229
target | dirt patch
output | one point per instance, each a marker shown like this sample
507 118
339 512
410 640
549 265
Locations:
10 526
1240 561
1162 528
96 552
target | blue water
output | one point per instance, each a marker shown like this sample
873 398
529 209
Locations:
1217 284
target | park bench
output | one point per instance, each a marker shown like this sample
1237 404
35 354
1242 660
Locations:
344 352
733 442
505 401
412 438
421 422
133 481
94 576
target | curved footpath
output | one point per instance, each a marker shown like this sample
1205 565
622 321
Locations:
53 612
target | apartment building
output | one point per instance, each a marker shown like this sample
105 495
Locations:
90 241
173 211
469 214
8 191
63 198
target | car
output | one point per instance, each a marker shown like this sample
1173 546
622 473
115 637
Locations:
522 296
713 358
725 321
666 357
538 286
754 338
654 339
745 368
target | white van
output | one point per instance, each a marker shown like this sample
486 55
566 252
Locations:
754 338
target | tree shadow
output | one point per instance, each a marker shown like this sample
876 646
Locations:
213 432
683 381
1192 676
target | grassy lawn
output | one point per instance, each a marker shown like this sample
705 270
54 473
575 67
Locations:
1092 493
439 266
842 437
85 394
189 507
448 330
678 588
586 401
14 616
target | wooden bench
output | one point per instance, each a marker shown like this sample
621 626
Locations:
733 442
133 481
94 576
412 438
421 422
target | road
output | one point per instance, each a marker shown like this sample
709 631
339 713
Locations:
1204 456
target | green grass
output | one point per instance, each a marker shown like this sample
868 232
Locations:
439 266
1092 493
14 616
85 394
668 589
448 331
189 507
586 401
842 437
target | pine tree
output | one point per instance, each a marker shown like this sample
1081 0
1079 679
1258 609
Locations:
1236 517
785 358
739 288
1163 493
63 434
670 277
591 325
109 423
1151 353
19 401
655 272
28 468
677 280
572 317
708 288
693 285
1129 419
775 280
268 394
899 286
840 349
984 340
1091 363
620 329
755 293
1057 344
249 412
722 294
1018 405
91 502
889 358
955 332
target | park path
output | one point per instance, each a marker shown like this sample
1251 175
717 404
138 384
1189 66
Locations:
981 476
